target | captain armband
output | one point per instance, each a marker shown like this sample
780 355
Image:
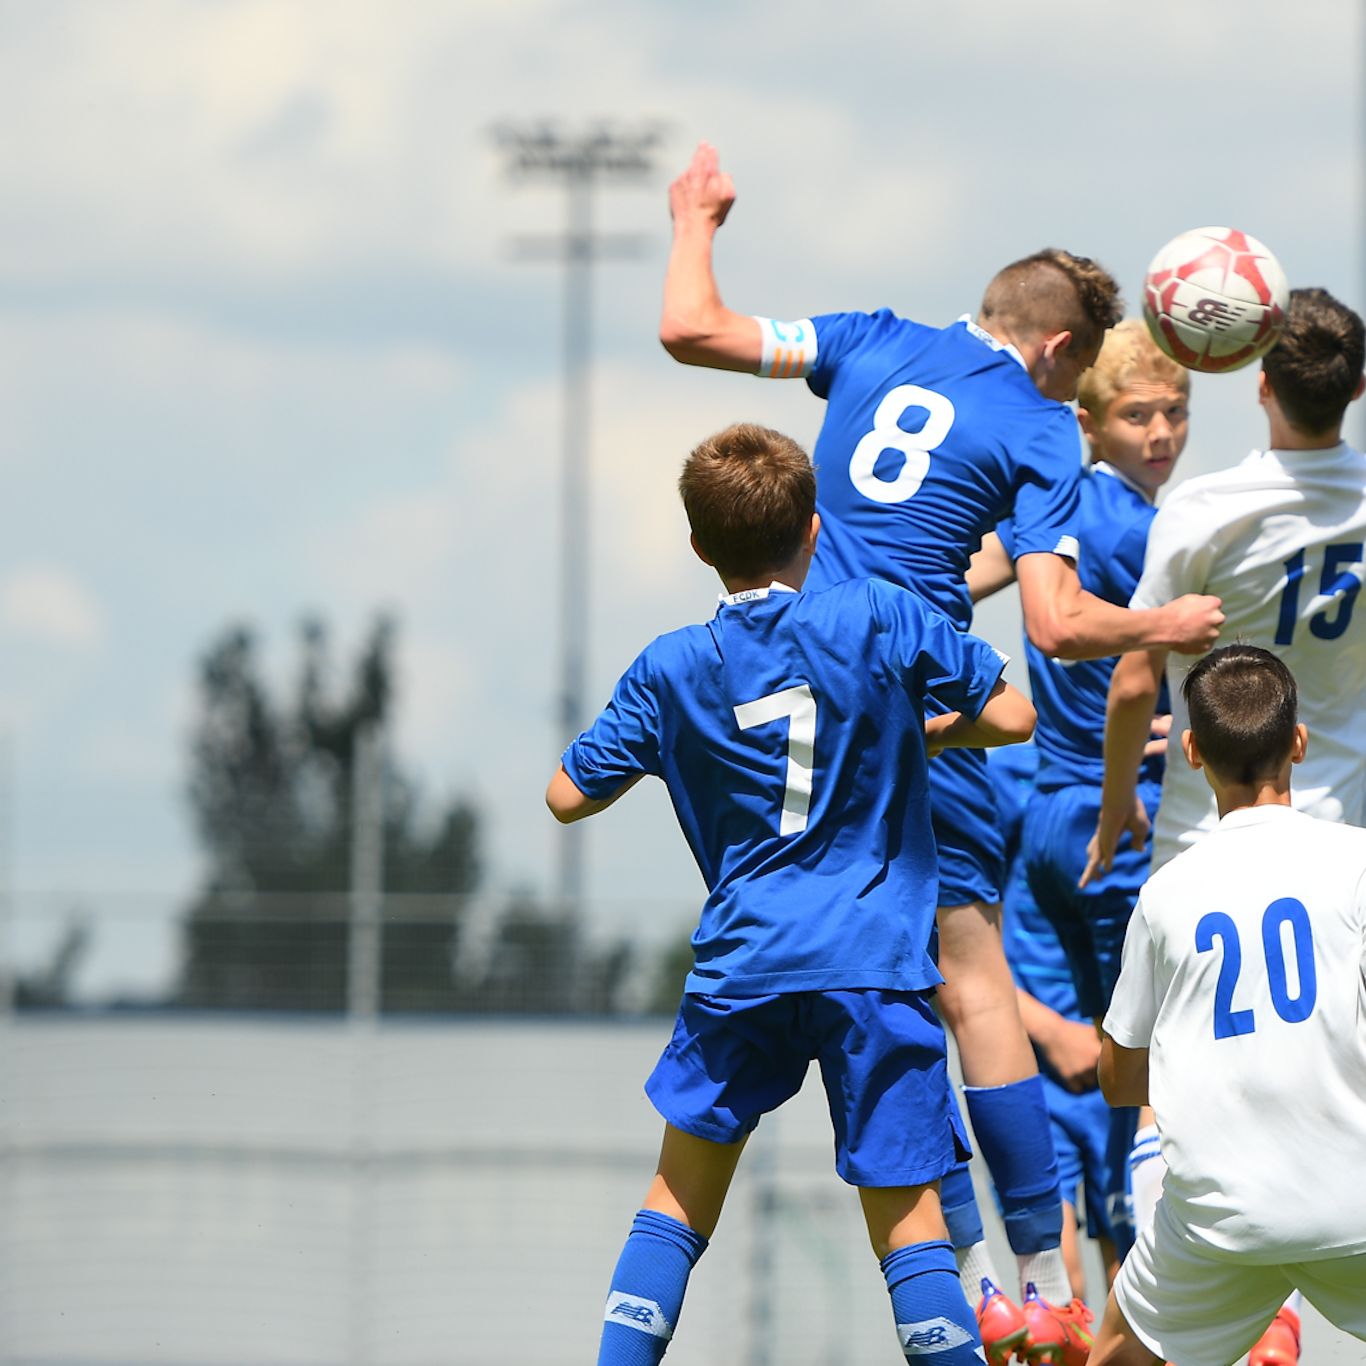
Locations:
789 349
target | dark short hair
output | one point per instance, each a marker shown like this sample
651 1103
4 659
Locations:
1243 710
1315 365
749 493
1053 291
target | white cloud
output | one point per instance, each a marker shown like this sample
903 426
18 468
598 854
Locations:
49 604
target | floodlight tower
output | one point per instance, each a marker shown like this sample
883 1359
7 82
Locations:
582 162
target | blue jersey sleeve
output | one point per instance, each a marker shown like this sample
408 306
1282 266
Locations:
1047 495
837 334
1005 530
623 742
936 658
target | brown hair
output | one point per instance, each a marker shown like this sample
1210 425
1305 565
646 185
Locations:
1243 706
749 493
1314 367
1053 291
1128 356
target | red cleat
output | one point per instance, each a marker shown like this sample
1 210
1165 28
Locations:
1280 1344
1058 1334
1001 1324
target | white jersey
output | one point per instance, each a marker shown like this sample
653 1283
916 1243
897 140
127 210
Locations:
1244 972
1279 537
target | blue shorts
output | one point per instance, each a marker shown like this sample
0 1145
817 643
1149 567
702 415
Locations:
1090 1160
1090 922
967 828
883 1060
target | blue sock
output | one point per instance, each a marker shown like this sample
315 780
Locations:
959 1203
647 1290
1012 1131
934 1323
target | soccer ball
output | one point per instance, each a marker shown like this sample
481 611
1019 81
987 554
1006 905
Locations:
1214 299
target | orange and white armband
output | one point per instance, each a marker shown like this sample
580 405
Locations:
789 349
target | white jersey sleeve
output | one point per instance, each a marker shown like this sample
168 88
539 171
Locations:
1133 1007
1180 553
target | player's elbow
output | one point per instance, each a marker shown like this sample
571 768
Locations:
1018 723
1122 1073
1052 637
684 338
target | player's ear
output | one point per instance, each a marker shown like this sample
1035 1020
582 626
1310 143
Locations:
812 532
1360 389
1055 345
1088 429
1300 745
1263 388
698 551
1191 750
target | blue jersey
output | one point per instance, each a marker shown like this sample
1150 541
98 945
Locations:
789 731
931 436
1070 695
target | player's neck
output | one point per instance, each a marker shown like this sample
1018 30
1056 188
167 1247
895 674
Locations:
1284 437
1235 796
790 576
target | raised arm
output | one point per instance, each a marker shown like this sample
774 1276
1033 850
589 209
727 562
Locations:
1067 622
696 327
1134 687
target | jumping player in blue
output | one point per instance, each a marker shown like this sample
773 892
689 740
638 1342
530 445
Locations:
1134 407
791 734
931 436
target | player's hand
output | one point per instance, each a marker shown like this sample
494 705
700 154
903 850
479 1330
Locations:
1157 735
1072 1051
703 193
1196 620
1100 852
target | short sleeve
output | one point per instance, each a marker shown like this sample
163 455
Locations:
1005 532
623 742
1179 554
935 657
1132 1014
1047 488
837 334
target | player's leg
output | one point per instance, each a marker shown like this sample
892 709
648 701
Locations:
667 1237
884 1061
1002 1088
1116 1343
907 1231
1336 1287
722 1069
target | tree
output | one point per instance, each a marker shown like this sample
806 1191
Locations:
271 792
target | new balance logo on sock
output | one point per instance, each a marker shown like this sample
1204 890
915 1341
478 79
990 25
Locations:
631 1311
931 1336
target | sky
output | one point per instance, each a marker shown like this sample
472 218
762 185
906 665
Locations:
267 350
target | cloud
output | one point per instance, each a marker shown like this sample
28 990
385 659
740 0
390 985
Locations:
49 604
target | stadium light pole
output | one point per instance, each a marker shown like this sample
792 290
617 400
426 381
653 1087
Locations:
582 162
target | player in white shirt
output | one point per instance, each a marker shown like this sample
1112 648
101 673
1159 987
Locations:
1240 1015
1279 537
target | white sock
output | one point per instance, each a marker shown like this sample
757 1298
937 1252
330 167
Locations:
974 1266
1295 1302
1146 1172
1048 1271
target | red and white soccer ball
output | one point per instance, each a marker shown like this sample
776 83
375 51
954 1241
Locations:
1214 299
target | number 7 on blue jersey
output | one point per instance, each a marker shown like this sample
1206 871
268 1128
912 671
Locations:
798 704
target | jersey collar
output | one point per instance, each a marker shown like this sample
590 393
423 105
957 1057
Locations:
753 594
983 335
1104 467
1256 815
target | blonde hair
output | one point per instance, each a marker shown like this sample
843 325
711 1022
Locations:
1128 356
